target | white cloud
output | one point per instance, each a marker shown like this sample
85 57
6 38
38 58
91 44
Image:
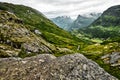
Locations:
53 8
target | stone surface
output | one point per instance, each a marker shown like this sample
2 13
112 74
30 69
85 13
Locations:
48 67
112 58
37 32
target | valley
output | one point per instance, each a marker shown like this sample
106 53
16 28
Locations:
26 35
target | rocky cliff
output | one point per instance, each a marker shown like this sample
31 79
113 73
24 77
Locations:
48 67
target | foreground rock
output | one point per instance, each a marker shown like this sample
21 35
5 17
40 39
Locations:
48 67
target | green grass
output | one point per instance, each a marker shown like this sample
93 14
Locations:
102 32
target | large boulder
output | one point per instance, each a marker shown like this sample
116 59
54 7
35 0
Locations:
48 67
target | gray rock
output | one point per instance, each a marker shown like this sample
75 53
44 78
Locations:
48 67
37 32
112 58
35 47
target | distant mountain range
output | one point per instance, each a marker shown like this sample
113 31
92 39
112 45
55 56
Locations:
63 22
84 20
69 24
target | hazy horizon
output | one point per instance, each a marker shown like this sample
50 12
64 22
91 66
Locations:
72 8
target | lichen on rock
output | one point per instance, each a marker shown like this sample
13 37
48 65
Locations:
48 67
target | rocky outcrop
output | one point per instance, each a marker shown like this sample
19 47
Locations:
48 67
15 34
113 59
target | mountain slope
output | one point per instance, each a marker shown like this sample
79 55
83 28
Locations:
63 22
31 17
110 17
50 32
16 37
106 26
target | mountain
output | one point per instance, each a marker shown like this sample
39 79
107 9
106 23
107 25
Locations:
106 26
29 26
25 31
49 67
37 20
110 17
63 22
84 20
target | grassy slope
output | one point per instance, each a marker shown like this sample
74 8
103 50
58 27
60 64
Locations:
51 32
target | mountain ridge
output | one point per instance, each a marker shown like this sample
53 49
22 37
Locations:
68 24
84 20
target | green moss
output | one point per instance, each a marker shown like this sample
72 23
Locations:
24 54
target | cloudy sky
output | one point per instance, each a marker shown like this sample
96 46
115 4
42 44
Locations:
53 8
